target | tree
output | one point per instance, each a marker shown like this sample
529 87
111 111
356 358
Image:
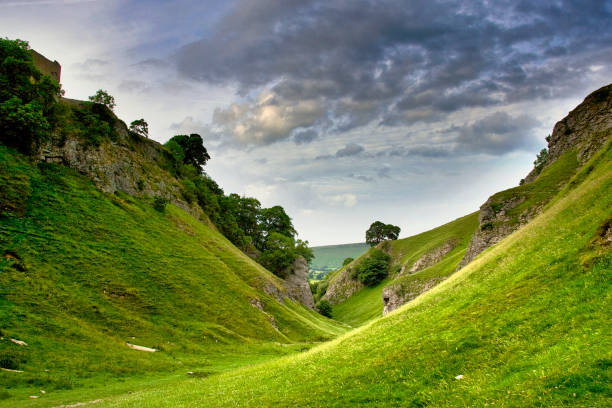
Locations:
379 232
302 249
279 253
103 98
374 268
140 127
27 98
541 158
324 308
347 261
275 219
189 149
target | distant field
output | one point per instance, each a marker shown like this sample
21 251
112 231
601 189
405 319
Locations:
329 258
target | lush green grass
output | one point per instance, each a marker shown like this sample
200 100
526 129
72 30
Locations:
362 307
526 324
552 179
83 272
329 258
367 304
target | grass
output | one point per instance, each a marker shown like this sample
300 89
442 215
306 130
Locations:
526 324
366 304
83 272
362 307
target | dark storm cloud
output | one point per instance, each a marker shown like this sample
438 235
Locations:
395 62
350 149
304 136
497 134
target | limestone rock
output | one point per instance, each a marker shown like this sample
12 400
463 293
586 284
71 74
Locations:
297 285
342 286
399 293
432 257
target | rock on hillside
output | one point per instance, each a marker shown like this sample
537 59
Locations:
582 133
297 285
130 163
581 129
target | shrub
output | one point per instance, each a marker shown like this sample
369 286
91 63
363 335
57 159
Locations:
324 308
103 98
159 203
347 261
373 269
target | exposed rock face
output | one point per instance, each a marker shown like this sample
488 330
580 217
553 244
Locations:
342 286
580 127
432 257
297 285
396 295
585 130
128 164
495 225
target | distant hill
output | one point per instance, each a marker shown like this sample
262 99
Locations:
330 257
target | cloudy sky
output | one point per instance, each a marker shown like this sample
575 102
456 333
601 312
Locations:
411 112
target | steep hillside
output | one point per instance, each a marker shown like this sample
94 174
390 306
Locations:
524 325
418 263
574 140
83 273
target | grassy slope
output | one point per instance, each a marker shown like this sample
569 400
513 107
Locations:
102 270
367 304
527 324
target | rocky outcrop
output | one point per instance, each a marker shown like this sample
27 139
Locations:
128 164
297 285
581 129
432 257
495 224
584 130
399 293
343 286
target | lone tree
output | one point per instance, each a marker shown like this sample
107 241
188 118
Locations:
140 127
189 149
104 98
379 232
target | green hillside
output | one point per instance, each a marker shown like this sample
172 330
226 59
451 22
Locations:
83 272
330 257
526 324
367 304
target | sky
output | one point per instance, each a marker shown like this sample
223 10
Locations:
411 112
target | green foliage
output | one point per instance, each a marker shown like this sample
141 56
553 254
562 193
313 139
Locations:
102 97
159 203
189 149
26 98
324 308
541 158
302 249
374 268
347 261
379 232
140 127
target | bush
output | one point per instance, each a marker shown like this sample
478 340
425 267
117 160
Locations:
324 308
373 269
159 203
347 261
